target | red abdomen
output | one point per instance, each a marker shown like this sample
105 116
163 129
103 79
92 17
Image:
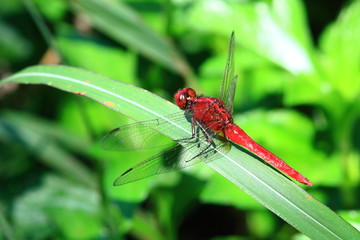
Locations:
238 136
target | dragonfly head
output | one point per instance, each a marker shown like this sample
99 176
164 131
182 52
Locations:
183 96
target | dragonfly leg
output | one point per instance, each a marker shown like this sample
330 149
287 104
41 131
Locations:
195 123
193 131
207 135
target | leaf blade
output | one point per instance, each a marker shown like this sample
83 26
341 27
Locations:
269 187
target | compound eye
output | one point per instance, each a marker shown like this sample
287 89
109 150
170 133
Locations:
180 99
191 94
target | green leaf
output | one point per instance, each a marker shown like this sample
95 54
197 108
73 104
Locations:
54 10
353 216
214 193
290 15
41 139
99 58
123 24
340 44
270 188
260 27
305 89
7 230
74 209
13 45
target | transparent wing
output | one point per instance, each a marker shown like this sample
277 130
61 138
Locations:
228 85
172 159
189 150
140 135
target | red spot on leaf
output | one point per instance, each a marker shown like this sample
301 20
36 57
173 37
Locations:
80 93
109 104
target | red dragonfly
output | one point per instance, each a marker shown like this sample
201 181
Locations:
211 119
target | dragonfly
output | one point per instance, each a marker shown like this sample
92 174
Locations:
212 128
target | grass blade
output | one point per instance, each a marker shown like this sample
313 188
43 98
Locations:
273 190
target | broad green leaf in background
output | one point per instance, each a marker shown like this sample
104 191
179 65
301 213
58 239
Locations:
53 10
40 139
13 45
335 83
6 228
305 89
341 52
72 206
100 58
270 188
260 27
292 17
121 23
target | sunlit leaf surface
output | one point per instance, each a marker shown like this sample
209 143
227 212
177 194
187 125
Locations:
270 188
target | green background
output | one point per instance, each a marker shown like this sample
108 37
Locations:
298 92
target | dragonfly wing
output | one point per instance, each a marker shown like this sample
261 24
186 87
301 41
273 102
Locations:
228 85
140 135
133 137
172 159
186 153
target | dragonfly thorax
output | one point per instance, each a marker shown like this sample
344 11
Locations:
211 112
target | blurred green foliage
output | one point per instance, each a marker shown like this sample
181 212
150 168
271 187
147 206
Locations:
297 94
